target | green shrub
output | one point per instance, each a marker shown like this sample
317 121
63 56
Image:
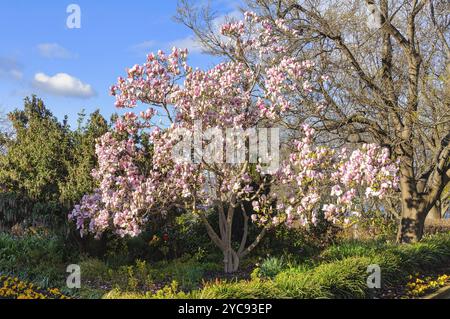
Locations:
168 292
186 271
303 243
429 254
94 270
117 293
34 257
133 277
272 266
171 291
253 289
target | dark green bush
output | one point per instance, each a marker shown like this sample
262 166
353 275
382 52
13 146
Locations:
38 258
302 243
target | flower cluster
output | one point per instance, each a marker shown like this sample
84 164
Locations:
282 80
257 35
13 288
217 97
315 179
153 82
371 165
421 286
236 28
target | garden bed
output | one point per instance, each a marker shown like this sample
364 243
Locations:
14 288
339 271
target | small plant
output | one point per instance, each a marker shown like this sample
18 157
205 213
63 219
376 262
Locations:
272 266
93 270
14 288
418 287
171 291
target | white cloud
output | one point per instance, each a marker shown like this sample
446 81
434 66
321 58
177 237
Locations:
10 69
143 48
189 43
54 51
63 84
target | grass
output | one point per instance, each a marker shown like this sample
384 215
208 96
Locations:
184 274
340 273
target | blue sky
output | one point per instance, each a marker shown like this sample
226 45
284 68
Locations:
72 69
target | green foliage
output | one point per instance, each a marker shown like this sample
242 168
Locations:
167 292
342 272
79 180
342 279
171 291
272 266
254 289
190 237
350 248
427 254
93 269
187 271
373 225
15 208
46 167
35 257
118 294
303 243
142 276
35 162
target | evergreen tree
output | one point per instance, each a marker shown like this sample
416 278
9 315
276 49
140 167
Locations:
37 154
79 180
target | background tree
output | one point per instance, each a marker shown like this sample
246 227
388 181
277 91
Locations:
35 161
45 167
388 79
441 206
79 180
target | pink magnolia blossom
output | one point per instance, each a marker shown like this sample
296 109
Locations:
233 94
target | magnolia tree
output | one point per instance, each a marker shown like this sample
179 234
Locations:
220 149
388 61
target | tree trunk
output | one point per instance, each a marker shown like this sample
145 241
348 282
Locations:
223 239
412 223
435 212
414 208
231 261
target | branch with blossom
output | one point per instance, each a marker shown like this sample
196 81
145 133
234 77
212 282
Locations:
231 95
